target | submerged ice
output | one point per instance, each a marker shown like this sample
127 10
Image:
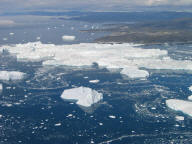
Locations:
129 58
82 95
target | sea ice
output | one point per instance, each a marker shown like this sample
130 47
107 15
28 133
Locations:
179 118
68 38
180 105
82 95
190 98
127 58
1 87
11 75
94 81
190 88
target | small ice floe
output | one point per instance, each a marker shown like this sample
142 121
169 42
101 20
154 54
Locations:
134 72
69 115
68 38
112 116
11 75
1 87
94 81
179 118
58 124
100 124
190 98
85 77
11 34
180 105
82 95
38 38
190 88
5 39
1 116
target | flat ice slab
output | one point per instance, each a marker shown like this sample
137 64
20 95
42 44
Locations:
11 75
180 105
83 95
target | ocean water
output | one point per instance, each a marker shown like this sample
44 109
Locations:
132 111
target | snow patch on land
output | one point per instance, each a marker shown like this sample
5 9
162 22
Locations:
180 105
11 75
128 58
82 95
68 38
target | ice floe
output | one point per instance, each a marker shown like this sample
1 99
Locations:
190 98
1 87
128 58
190 88
179 118
68 38
180 105
11 75
82 95
93 81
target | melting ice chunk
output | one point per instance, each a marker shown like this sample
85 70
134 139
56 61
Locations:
11 75
83 95
1 87
180 105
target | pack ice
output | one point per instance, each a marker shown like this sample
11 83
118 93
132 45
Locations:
82 95
128 58
11 75
180 105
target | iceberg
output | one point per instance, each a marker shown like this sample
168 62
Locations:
128 59
134 72
11 75
1 87
180 105
94 81
82 95
190 88
190 98
68 38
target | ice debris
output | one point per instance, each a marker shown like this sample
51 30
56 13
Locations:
82 95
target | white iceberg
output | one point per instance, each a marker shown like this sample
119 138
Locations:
180 105
82 95
128 57
134 72
190 98
11 75
94 81
68 38
1 87
190 88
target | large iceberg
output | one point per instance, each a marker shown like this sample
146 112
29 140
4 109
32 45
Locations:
128 57
11 75
180 105
82 95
